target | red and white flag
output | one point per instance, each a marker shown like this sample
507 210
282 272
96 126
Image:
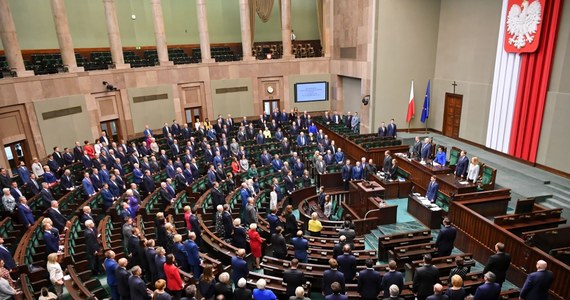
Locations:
411 108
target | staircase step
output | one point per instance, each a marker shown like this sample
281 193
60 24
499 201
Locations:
377 233
370 242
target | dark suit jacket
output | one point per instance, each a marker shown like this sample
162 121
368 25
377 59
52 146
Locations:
137 288
240 269
239 238
52 242
47 196
369 284
425 152
293 278
66 182
26 215
462 166
445 240
58 219
424 279
488 291
91 241
122 277
438 297
536 285
218 198
6 256
330 276
347 265
148 184
498 264
391 278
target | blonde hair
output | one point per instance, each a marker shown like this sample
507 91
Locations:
187 208
52 258
456 281
177 238
160 284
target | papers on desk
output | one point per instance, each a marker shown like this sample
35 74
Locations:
417 194
425 202
422 163
464 182
435 208
436 164
401 179
66 277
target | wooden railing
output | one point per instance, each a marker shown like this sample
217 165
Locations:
485 234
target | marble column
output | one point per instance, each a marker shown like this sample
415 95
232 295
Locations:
328 12
159 35
202 17
64 36
114 35
286 28
10 42
245 29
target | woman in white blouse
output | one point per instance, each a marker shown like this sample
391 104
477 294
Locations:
273 199
55 273
37 168
473 172
154 146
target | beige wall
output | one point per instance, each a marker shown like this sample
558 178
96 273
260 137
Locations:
63 131
152 113
309 106
467 60
406 44
235 103
553 146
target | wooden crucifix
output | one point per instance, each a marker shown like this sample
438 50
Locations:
454 85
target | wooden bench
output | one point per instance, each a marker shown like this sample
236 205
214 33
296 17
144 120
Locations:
518 223
404 254
389 242
548 239
444 264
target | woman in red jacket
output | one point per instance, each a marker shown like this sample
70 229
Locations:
255 242
236 168
174 282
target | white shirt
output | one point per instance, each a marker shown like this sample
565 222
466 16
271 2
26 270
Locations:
473 172
272 200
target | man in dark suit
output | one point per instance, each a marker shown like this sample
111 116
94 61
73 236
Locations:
462 165
424 279
489 290
239 266
293 278
195 224
33 185
382 130
46 194
432 190
438 293
417 148
165 197
147 183
300 246
51 239
347 264
392 129
193 253
65 181
346 172
369 282
137 287
289 183
425 152
6 256
390 278
218 198
59 221
498 263
445 238
122 277
537 283
92 246
26 216
332 275
387 162
86 215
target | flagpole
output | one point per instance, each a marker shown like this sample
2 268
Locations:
409 127
426 125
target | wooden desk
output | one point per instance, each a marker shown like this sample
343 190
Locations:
393 189
360 193
449 184
385 213
432 219
420 174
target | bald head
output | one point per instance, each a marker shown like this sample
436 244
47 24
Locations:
541 265
437 289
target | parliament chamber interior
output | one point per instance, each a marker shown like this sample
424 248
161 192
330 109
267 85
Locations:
262 149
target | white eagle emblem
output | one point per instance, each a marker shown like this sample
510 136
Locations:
522 23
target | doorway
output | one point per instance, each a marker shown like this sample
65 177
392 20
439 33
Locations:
270 105
16 153
452 115
193 113
112 129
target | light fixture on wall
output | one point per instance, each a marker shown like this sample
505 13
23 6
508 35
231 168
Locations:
133 17
366 100
109 87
